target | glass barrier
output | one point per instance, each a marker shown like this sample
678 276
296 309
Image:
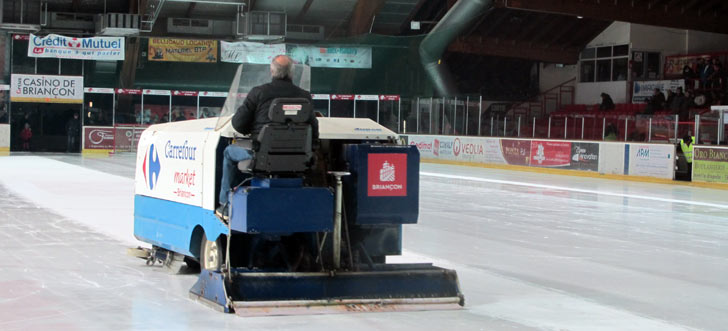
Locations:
184 107
437 112
211 106
390 114
98 109
126 108
156 109
425 118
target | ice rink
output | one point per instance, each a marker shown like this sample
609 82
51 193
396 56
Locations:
532 251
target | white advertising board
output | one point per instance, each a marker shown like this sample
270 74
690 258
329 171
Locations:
46 88
465 149
4 137
171 166
650 160
62 47
250 52
644 90
611 158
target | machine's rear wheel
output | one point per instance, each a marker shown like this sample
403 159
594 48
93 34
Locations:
211 253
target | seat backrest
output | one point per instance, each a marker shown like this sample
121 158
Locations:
284 144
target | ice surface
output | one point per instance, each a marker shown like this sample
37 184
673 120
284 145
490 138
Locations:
532 251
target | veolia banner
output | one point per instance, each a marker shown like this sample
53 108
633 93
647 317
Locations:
95 48
182 50
249 52
46 88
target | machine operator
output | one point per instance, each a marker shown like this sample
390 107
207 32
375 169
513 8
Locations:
253 115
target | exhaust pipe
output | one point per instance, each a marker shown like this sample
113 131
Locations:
457 19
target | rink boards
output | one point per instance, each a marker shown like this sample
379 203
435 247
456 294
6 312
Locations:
614 158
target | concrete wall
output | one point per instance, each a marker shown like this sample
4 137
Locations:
551 75
616 34
706 42
588 93
652 38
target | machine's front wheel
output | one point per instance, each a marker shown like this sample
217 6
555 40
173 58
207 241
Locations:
211 254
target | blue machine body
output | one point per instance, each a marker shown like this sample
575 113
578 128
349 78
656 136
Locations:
170 225
280 206
384 185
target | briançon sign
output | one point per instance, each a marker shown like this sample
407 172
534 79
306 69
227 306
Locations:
95 48
46 88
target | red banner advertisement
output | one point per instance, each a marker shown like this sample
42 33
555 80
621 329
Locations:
128 91
342 97
185 93
516 152
98 137
550 153
387 175
389 97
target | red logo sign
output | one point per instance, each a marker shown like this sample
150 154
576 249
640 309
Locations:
38 50
387 175
550 153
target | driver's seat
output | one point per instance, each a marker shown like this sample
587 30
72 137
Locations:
283 146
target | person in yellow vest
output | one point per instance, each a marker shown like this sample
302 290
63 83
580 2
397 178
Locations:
686 144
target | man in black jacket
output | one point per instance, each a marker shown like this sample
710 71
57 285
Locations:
73 130
253 115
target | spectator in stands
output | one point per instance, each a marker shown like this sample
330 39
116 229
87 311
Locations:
25 136
670 97
611 133
677 101
687 105
607 103
688 75
656 103
718 77
177 115
706 70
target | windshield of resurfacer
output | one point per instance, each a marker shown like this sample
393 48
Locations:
251 75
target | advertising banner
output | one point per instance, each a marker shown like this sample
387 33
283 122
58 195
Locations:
172 167
46 88
249 52
584 156
516 152
674 64
98 137
611 158
710 165
182 50
62 47
650 160
550 153
641 91
332 57
4 137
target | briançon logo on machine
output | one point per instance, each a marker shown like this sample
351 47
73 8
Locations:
387 175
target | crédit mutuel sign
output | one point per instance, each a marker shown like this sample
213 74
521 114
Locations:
62 47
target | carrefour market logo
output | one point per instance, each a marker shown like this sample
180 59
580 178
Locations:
152 168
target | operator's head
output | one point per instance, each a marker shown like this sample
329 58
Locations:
281 67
